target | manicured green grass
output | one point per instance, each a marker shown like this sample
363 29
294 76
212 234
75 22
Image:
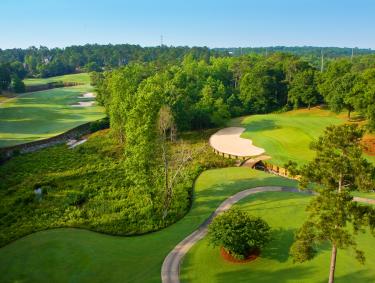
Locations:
43 114
287 136
70 255
82 78
285 213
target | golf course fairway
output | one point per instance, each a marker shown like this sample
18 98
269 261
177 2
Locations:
38 115
284 212
287 136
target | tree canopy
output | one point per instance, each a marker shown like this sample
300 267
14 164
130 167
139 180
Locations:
337 169
239 233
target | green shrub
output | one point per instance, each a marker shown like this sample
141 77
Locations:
75 198
99 125
18 85
239 233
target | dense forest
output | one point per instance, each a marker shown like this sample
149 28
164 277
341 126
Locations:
17 63
206 93
312 54
45 62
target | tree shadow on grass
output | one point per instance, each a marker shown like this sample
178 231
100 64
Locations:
299 273
353 277
278 248
261 125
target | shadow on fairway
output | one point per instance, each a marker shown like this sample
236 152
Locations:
261 125
358 276
278 248
267 276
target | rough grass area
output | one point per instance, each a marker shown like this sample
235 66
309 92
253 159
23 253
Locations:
82 78
285 213
86 187
38 115
71 255
287 136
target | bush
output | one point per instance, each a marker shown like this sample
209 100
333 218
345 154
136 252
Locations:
75 198
99 125
17 85
239 233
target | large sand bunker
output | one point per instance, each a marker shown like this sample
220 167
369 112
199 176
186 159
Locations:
228 141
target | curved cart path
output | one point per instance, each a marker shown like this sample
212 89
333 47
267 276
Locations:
170 270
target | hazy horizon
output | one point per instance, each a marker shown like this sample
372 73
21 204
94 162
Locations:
190 46
215 24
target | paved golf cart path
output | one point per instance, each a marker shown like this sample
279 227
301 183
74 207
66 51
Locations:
170 270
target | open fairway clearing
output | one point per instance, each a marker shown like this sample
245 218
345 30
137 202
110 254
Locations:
228 141
72 255
81 78
287 136
43 114
284 212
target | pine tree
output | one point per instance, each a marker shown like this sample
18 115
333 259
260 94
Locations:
334 217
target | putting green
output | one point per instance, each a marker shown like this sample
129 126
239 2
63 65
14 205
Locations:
71 255
287 136
285 213
42 114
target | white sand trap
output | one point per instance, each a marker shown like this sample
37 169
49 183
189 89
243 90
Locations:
83 104
228 141
88 95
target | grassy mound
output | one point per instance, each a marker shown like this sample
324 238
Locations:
287 136
285 213
77 255
42 114
86 187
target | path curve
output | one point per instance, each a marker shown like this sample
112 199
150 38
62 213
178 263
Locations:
229 141
170 270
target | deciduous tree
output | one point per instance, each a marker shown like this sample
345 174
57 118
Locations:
239 233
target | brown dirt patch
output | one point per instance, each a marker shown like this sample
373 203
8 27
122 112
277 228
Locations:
228 257
368 143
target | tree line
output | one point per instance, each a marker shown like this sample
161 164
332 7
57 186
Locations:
206 93
45 62
11 76
311 54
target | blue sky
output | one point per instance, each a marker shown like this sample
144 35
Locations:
191 22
